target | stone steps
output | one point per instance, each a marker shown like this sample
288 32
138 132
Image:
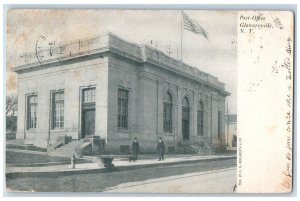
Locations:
195 148
70 146
66 150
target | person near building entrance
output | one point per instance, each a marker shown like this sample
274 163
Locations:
135 149
161 149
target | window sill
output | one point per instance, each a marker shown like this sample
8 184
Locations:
58 129
122 130
170 134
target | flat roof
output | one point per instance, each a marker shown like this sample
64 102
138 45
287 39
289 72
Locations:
109 42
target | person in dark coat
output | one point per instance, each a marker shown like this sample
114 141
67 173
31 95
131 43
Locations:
135 149
161 149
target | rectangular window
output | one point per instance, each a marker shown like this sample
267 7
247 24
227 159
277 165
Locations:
200 123
89 95
58 110
31 111
123 108
219 124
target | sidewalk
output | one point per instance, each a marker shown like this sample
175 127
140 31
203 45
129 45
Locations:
119 163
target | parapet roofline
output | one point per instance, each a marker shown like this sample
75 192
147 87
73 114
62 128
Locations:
110 42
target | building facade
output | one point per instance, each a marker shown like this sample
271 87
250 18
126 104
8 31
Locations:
108 87
231 129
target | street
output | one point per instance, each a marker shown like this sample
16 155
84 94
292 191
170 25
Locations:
220 180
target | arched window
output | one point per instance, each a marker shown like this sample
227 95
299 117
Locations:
168 110
200 113
185 119
185 102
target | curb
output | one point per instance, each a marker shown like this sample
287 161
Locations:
38 164
12 175
67 161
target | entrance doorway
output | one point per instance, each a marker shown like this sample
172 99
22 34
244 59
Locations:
88 112
88 122
185 119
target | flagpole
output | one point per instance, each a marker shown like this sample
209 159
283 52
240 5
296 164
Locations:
181 30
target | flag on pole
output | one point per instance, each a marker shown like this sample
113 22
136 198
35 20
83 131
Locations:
193 26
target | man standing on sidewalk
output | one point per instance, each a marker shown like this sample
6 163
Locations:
135 149
161 149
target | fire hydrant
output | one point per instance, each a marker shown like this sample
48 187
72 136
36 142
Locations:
73 161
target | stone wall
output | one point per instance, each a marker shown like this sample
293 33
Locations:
146 85
68 77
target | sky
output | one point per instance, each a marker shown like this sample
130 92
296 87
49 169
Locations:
159 28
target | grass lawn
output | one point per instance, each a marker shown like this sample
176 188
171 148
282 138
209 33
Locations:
28 158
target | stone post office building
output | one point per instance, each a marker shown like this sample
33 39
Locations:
108 87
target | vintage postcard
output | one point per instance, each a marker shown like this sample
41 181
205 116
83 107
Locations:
149 101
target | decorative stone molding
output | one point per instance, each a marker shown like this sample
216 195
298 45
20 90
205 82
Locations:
110 44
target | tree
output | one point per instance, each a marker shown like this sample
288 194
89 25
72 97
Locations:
11 113
11 105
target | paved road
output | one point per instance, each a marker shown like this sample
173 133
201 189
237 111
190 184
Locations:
217 181
98 182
